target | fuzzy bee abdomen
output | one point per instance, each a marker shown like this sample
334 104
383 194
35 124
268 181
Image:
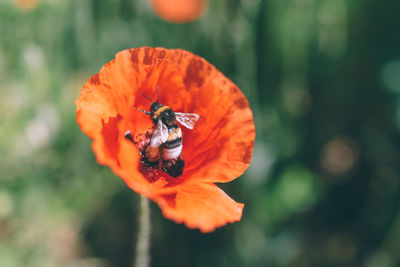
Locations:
172 153
172 149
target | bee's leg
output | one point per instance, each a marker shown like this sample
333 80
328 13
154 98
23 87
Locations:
159 165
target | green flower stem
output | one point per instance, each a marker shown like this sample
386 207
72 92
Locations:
143 235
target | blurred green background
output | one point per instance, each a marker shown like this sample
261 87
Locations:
323 80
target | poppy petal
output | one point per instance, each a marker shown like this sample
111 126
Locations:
239 134
95 113
203 206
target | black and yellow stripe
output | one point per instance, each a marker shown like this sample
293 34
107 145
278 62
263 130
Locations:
159 111
173 143
174 137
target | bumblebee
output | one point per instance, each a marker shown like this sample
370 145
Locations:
165 146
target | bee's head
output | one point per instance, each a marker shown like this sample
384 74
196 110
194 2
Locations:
161 112
154 107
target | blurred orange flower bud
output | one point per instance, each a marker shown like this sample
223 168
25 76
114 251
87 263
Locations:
26 4
179 11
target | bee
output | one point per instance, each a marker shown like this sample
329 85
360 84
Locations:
165 146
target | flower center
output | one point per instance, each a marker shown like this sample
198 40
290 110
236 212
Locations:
160 159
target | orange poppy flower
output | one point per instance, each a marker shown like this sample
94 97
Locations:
179 11
217 150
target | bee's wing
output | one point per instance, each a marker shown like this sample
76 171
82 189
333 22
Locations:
187 119
160 134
